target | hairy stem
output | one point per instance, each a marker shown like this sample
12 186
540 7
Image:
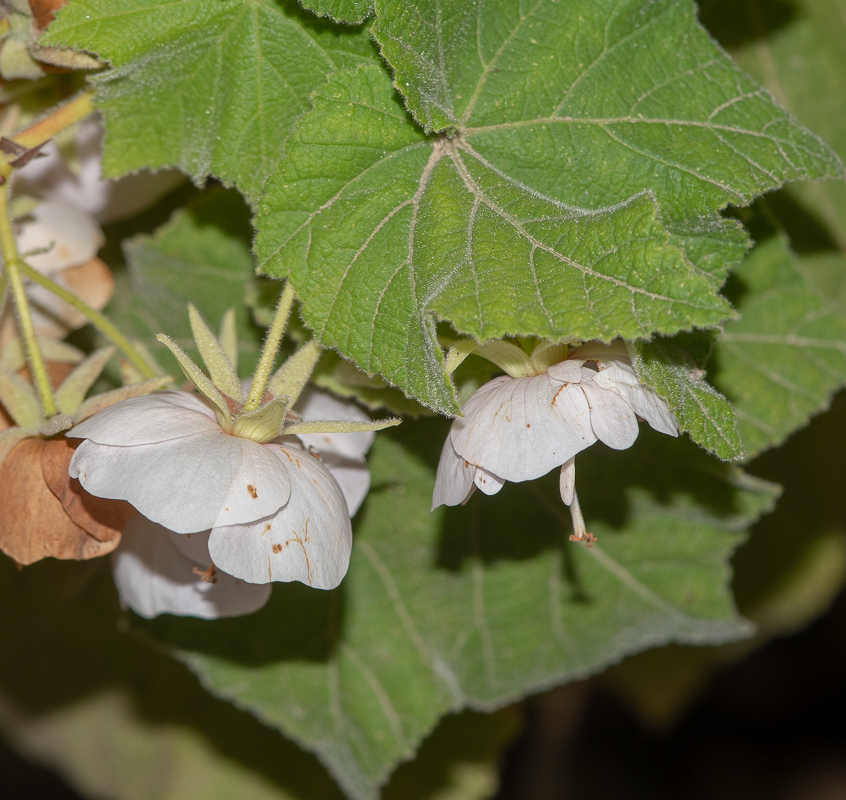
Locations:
12 265
98 320
56 121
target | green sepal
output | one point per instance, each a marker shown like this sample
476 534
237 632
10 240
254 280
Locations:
340 426
100 401
214 356
508 357
546 354
229 336
264 424
71 393
458 351
14 354
290 379
20 400
197 377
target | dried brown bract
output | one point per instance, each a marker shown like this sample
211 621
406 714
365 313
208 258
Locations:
45 513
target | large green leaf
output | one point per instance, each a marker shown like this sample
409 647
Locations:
209 86
382 229
797 52
592 101
119 720
479 605
200 256
783 359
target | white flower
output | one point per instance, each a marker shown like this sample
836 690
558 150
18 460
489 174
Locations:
519 428
159 571
168 457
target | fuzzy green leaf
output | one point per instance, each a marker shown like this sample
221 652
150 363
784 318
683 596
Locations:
482 604
700 410
781 362
592 101
209 86
382 230
351 12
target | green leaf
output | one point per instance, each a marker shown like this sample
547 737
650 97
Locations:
352 12
198 257
671 368
383 230
132 724
591 101
800 58
782 361
209 86
479 605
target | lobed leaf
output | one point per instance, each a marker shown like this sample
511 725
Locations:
593 101
700 410
209 86
383 230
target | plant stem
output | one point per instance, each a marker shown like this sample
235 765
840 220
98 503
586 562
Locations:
98 320
271 345
55 122
11 262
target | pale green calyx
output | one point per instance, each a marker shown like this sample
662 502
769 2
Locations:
264 424
264 413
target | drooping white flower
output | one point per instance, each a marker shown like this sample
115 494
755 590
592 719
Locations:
242 466
158 571
520 426
167 456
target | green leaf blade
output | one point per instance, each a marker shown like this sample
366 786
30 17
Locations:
382 230
781 362
592 102
210 87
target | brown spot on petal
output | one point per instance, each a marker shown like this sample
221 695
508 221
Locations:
252 490
267 527
277 548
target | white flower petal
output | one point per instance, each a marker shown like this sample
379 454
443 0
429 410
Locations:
316 405
487 482
621 378
566 371
454 481
352 476
520 429
189 484
309 540
154 418
154 577
567 481
611 417
72 236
